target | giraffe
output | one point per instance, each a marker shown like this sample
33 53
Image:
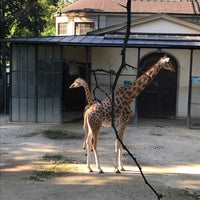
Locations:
99 114
79 82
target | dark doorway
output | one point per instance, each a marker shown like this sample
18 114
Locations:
158 100
73 99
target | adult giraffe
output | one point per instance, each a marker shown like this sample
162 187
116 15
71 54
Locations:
99 114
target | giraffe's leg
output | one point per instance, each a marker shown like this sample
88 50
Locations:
85 138
118 150
89 144
116 156
86 135
94 146
121 167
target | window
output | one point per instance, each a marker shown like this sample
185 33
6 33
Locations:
62 29
82 28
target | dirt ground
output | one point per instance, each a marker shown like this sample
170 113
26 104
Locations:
35 166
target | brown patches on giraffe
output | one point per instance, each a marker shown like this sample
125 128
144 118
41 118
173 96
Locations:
99 114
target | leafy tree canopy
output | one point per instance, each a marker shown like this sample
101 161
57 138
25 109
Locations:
26 18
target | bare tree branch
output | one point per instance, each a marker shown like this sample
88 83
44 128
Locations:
122 66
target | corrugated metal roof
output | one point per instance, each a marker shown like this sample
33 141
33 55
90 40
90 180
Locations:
116 40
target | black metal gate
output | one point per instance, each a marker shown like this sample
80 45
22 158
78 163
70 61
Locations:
158 100
36 83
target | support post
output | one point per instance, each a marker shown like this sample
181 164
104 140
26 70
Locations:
190 88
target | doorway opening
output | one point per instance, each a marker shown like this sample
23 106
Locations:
158 100
73 100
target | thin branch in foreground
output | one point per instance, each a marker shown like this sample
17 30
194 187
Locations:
123 64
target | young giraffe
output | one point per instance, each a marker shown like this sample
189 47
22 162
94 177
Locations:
99 114
79 82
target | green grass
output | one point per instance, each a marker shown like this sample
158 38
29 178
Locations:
41 175
56 157
53 165
56 134
30 134
60 135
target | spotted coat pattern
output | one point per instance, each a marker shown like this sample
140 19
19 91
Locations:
99 114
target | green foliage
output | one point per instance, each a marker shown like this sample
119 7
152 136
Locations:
49 10
23 18
60 135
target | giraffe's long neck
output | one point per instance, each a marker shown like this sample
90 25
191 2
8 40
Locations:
88 94
137 86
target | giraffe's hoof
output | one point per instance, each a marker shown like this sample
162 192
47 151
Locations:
90 170
117 171
122 169
100 171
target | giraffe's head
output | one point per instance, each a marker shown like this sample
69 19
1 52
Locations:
79 82
164 62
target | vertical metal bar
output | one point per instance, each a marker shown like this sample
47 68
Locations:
53 74
87 69
87 64
111 81
19 76
136 100
61 90
4 76
189 92
27 85
45 80
36 83
10 95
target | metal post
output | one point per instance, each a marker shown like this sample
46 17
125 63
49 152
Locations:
190 87
4 77
10 91
87 71
87 64
136 100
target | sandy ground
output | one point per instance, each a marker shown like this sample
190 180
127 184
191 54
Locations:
34 167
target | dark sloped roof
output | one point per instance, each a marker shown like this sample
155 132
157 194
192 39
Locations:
143 20
116 40
138 6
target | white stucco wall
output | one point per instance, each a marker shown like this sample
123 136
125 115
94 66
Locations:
61 19
110 58
71 20
183 57
163 26
102 21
